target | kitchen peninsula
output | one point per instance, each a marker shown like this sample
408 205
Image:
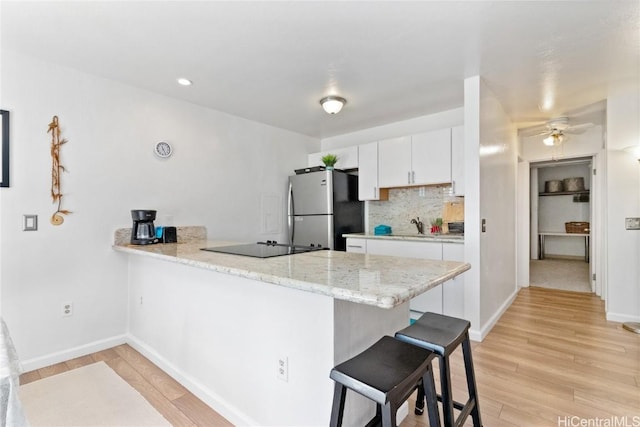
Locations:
256 338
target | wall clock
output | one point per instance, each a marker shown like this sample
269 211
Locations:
163 149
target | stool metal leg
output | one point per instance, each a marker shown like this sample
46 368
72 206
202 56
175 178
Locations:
471 381
337 409
428 388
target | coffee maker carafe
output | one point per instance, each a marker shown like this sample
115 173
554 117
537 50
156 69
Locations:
143 232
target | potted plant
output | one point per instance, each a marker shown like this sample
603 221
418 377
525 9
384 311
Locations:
436 226
329 160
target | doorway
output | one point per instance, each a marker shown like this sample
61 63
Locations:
561 224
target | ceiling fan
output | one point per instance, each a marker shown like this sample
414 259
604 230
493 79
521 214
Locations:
555 130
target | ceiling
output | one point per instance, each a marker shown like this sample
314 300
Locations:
271 62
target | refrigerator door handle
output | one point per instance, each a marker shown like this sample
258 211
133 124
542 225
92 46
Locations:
290 213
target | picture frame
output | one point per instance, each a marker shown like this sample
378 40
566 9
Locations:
4 148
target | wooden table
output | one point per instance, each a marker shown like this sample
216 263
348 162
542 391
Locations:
543 234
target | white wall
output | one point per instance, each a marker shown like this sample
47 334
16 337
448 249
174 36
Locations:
223 171
498 162
623 200
444 119
490 182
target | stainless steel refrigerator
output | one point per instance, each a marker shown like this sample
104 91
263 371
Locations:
322 206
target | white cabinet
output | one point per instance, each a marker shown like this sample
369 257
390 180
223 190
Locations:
430 300
419 159
347 158
394 162
356 245
457 160
431 157
407 249
368 188
447 298
453 290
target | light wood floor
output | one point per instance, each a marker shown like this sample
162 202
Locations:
174 402
551 355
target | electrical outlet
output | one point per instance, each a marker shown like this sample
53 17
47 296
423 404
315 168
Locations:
283 368
67 309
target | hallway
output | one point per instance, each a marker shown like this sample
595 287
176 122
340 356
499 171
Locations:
561 274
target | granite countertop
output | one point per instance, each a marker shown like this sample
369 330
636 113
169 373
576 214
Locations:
378 280
445 238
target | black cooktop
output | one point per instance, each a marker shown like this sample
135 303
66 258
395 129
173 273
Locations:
266 249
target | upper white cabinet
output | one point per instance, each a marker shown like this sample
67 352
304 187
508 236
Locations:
394 162
431 157
419 159
347 158
457 160
368 188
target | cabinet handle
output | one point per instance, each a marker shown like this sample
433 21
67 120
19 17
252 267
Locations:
375 193
413 177
354 246
409 177
453 186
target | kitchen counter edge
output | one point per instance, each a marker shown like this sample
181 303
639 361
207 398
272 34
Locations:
443 238
389 282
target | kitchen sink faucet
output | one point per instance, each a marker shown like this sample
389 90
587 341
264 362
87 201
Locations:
418 224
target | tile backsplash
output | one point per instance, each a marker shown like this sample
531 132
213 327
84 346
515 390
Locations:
407 203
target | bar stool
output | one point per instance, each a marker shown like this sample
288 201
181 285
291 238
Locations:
387 373
442 335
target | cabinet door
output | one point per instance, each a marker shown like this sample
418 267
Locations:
453 290
356 245
368 172
430 300
457 160
394 162
431 157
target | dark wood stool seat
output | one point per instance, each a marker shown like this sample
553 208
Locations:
442 335
387 373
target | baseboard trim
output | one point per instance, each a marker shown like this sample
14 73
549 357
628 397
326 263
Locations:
480 334
62 356
622 318
215 401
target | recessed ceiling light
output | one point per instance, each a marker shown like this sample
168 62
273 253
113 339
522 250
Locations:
184 82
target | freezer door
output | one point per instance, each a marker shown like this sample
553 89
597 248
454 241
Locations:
311 193
313 230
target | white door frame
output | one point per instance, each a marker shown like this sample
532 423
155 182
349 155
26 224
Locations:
527 242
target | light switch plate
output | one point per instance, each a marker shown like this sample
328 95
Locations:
29 222
632 223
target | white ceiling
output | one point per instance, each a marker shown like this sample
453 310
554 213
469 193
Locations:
272 61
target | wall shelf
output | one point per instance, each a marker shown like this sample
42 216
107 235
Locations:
564 193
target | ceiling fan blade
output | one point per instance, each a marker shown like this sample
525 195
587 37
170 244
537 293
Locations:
537 131
577 129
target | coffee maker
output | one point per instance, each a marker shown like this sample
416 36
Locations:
143 232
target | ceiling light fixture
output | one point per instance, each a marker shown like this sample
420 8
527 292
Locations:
184 82
554 139
332 104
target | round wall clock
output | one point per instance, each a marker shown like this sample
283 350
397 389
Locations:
163 149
